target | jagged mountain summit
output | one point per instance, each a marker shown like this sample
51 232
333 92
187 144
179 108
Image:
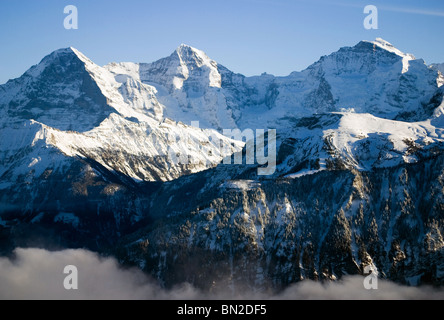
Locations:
77 107
371 77
86 161
74 139
188 82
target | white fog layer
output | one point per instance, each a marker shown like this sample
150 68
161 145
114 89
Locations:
38 274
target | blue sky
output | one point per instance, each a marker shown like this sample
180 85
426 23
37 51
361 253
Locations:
247 36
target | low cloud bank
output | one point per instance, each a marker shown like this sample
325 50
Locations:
38 274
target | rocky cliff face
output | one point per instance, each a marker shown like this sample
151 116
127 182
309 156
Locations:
270 234
58 92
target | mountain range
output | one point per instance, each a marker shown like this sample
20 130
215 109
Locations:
86 161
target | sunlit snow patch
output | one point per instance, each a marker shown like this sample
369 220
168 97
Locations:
302 173
243 185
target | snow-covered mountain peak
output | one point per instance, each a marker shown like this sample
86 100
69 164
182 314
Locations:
382 42
191 58
61 51
185 64
184 50
387 46
63 57
56 55
62 92
365 58
67 50
188 83
189 54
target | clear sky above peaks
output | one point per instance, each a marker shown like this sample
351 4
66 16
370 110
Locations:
247 36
